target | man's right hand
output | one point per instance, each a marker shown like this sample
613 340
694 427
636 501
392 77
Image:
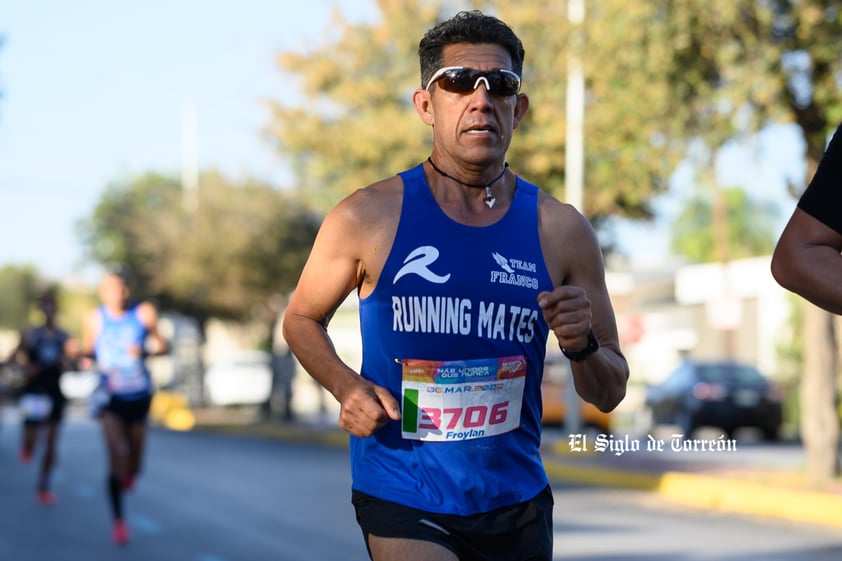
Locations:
366 407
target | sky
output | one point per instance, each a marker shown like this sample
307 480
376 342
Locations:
96 92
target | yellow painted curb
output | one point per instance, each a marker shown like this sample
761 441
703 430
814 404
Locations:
713 493
744 497
172 411
721 494
179 419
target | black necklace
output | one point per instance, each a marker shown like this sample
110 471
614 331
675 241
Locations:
489 199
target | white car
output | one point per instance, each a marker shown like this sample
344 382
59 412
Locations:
244 378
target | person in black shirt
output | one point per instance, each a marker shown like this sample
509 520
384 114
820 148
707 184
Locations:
807 259
44 352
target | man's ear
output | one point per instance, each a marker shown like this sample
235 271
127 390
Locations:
423 106
521 105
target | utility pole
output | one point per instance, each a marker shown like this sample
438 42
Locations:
574 162
189 157
574 166
725 310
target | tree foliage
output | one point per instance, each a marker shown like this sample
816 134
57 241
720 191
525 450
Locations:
780 64
748 228
235 255
660 76
19 287
355 122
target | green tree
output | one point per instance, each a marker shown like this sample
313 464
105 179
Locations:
18 291
740 65
660 75
355 122
810 38
749 227
234 256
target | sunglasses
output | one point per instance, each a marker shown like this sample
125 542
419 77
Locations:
459 79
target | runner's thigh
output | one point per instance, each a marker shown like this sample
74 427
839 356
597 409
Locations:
401 549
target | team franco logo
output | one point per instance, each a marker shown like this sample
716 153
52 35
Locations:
510 275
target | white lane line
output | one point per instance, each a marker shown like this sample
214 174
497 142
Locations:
144 524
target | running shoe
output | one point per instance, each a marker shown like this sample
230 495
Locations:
120 533
47 497
25 456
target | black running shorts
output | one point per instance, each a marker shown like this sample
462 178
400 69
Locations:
522 532
129 410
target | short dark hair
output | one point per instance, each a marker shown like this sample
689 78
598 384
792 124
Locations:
48 295
467 27
120 271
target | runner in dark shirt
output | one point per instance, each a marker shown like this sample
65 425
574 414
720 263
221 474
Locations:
807 257
44 352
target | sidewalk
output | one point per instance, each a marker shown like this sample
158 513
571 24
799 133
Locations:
735 482
720 480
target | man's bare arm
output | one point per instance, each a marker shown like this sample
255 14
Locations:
333 270
581 303
807 261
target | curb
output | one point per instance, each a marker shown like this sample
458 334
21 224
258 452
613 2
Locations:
172 411
719 494
705 492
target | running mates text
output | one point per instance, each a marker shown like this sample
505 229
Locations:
439 314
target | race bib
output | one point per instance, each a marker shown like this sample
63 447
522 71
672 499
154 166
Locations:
35 407
129 379
461 400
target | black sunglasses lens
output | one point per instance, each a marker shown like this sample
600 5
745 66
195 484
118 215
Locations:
502 83
464 80
460 80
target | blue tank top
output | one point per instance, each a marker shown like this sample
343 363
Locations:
122 371
454 331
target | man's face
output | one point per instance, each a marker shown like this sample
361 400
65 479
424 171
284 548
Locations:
49 308
113 291
476 126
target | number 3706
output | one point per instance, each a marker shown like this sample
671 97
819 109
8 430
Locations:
471 416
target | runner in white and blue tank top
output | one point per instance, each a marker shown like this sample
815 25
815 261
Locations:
123 372
462 301
116 334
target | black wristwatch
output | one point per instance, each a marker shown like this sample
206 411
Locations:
591 348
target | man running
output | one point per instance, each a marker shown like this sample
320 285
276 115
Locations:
45 352
462 268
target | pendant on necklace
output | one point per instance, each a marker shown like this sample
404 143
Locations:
490 199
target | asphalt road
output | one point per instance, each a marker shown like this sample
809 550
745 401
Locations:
207 497
201 498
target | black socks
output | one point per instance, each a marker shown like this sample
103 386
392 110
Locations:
115 492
